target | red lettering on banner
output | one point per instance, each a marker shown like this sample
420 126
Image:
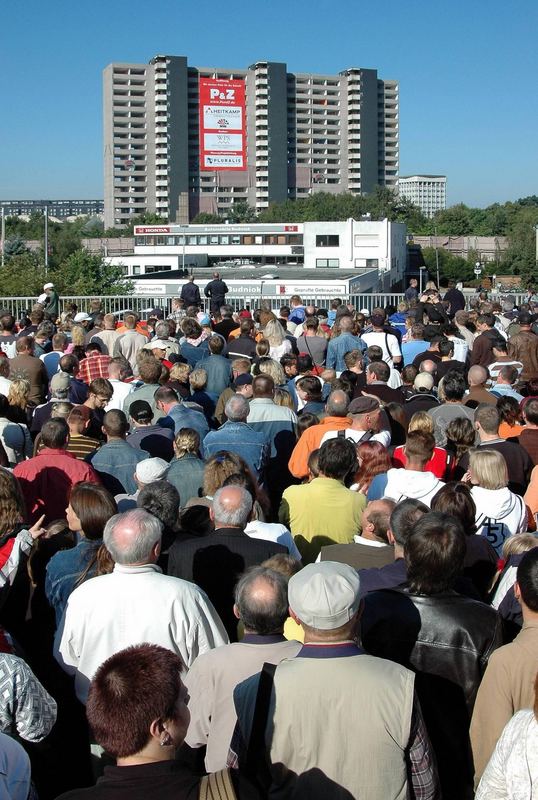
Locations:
222 117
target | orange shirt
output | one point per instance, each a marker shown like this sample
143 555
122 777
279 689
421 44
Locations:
310 441
506 430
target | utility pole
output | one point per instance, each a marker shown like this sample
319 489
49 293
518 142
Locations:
3 236
436 256
46 238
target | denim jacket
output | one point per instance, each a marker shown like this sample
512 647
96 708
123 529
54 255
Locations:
115 462
338 347
63 572
241 439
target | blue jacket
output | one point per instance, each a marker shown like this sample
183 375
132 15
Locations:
339 347
115 462
181 416
194 353
64 571
187 475
219 373
241 439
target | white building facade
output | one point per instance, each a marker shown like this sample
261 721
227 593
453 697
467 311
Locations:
428 192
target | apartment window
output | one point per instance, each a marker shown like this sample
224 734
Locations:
327 262
161 240
191 239
329 240
224 240
202 240
137 270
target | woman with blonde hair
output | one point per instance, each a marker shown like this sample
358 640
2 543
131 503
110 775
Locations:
186 470
179 379
499 512
282 397
278 344
18 395
439 462
78 335
268 366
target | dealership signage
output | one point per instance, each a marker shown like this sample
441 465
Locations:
222 124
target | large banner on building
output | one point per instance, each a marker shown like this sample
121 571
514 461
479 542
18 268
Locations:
222 124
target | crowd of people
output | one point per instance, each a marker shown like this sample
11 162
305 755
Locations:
270 553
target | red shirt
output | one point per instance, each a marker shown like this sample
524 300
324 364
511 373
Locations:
46 482
438 463
94 366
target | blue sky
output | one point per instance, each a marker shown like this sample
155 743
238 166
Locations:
467 73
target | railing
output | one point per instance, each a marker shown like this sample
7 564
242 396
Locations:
142 304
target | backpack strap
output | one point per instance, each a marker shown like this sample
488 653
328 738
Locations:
217 786
341 434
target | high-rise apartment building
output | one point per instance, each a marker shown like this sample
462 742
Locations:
179 140
428 192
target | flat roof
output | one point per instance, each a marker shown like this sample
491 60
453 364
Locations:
261 273
420 175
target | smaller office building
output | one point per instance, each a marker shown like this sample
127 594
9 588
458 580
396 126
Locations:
428 192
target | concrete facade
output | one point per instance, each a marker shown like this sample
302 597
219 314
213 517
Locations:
305 133
428 192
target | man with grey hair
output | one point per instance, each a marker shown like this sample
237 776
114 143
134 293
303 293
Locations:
162 335
261 604
333 692
238 437
135 603
215 562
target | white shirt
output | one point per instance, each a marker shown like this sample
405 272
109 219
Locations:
512 771
386 341
121 390
273 532
5 383
130 606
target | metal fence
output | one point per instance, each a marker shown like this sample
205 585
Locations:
143 304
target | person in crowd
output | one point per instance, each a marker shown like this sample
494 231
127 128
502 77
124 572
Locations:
28 712
119 371
448 360
507 376
194 345
528 438
217 367
415 345
387 341
146 472
431 353
176 415
80 445
478 378
199 395
225 553
507 686
89 509
335 419
309 393
261 605
430 617
373 460
279 345
413 481
312 342
518 461
115 462
523 347
186 470
99 394
190 294
130 342
502 359
95 365
107 336
155 608
47 478
510 773
439 463
8 338
371 548
78 390
51 360
377 379
481 559
488 334
216 290
149 372
244 345
325 599
324 511
18 397
239 437
145 750
422 397
341 344
156 440
15 437
453 388
511 417
25 365
5 383
455 299
367 423
499 512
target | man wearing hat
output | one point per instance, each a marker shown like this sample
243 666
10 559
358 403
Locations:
154 439
52 302
146 471
366 423
333 721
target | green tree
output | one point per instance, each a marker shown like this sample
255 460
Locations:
203 218
22 275
453 221
143 219
241 212
83 273
520 257
14 246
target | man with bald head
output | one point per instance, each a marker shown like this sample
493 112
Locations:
336 419
261 604
135 603
215 562
477 378
372 548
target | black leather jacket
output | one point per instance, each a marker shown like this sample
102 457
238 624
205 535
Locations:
446 639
